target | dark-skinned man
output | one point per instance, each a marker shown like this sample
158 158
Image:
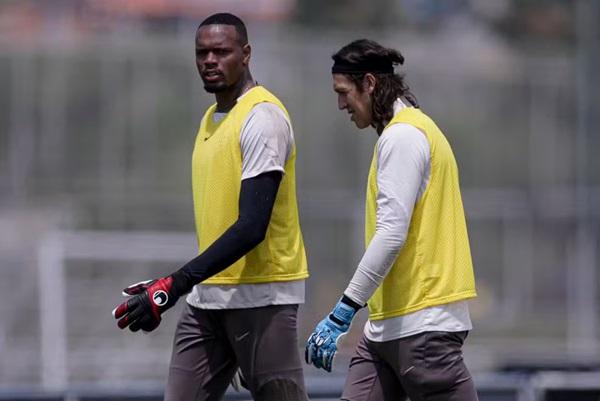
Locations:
248 279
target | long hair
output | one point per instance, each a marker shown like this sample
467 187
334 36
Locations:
389 86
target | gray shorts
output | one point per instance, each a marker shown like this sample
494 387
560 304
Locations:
427 366
209 346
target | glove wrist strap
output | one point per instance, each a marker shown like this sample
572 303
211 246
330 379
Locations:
343 313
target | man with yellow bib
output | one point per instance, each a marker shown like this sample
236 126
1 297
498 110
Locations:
248 279
416 273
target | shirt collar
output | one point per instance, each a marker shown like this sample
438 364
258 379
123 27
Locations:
398 105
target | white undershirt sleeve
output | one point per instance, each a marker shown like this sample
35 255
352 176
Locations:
266 140
403 159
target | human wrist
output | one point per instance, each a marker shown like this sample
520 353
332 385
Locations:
181 283
343 313
351 302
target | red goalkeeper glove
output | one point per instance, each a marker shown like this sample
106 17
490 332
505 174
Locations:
149 299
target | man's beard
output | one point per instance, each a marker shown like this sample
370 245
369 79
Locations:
215 87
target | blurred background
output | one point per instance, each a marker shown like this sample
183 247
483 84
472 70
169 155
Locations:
100 102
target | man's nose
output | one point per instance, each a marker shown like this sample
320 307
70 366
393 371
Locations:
210 58
342 103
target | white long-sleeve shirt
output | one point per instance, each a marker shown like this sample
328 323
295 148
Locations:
403 168
266 142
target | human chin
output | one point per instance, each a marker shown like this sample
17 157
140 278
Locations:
359 122
214 87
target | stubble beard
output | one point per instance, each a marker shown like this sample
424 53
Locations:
215 88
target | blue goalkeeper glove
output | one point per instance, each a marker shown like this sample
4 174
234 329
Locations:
322 343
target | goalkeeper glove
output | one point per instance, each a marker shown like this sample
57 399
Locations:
322 343
148 301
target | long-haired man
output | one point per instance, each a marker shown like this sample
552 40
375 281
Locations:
416 273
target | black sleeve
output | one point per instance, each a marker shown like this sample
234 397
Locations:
257 196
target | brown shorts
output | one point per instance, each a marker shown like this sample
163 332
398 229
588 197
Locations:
209 346
427 366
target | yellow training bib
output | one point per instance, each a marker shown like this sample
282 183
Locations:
216 182
434 266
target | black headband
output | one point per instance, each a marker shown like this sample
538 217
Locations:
373 66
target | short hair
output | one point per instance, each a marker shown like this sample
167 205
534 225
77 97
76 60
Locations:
228 19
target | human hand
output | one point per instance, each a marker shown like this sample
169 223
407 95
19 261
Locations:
148 301
321 346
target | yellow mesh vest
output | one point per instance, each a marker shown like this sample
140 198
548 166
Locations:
434 266
216 182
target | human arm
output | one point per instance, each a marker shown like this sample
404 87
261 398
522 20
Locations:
266 141
150 300
402 176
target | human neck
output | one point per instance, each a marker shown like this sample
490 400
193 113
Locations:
395 108
227 99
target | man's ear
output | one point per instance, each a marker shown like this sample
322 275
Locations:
247 51
369 82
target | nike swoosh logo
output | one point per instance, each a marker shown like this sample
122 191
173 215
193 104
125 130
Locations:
408 370
242 336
